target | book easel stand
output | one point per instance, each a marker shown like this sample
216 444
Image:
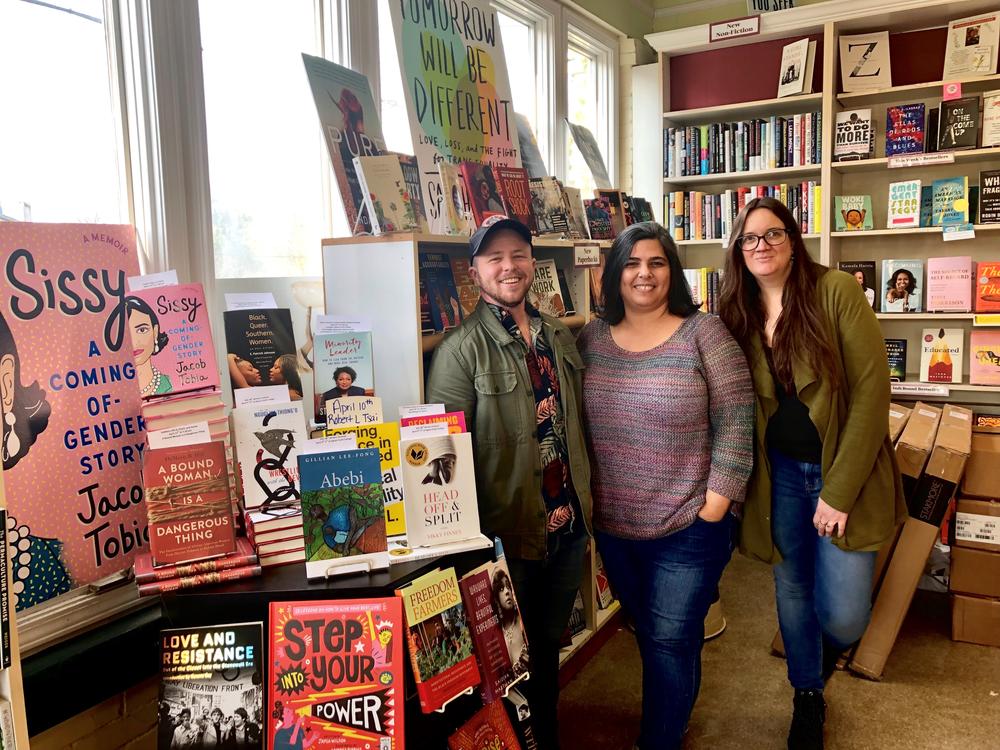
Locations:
343 566
443 706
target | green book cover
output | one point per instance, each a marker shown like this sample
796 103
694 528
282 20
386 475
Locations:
950 199
853 213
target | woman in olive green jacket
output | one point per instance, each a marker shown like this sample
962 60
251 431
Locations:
825 492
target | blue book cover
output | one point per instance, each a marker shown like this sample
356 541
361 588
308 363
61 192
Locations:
950 199
342 366
904 129
439 283
926 205
342 510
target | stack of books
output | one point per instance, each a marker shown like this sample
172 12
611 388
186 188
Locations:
161 579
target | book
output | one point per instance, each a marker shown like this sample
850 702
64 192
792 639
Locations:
577 217
615 208
267 442
903 284
411 176
864 62
6 603
904 129
342 366
596 277
604 594
146 572
564 290
863 272
439 489
959 124
989 196
853 138
547 204
895 350
853 212
426 322
545 294
926 205
598 212
531 156
516 194
187 502
351 127
577 617
468 291
257 341
941 355
457 203
933 130
950 201
984 357
8 734
990 135
342 509
272 519
791 72
454 419
197 580
489 728
390 205
971 48
949 284
438 637
903 204
336 674
439 283
484 193
211 686
987 286
591 153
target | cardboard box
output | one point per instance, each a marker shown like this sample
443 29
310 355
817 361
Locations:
975 620
936 486
975 571
915 443
982 475
977 524
898 417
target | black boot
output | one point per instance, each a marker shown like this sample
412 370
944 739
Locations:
806 732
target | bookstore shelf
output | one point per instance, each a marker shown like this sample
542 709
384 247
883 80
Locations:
581 638
789 105
906 231
930 89
430 341
724 242
769 176
965 387
882 163
925 316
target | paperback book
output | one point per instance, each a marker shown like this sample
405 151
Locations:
551 211
950 201
903 284
545 294
853 213
516 194
904 129
791 73
949 284
598 212
991 119
411 176
454 419
488 729
435 272
564 288
615 208
457 203
941 355
895 350
903 205
342 366
484 193
984 357
577 218
926 205
387 196
989 196
863 272
268 441
959 124
988 286
258 343
468 292
853 138
864 62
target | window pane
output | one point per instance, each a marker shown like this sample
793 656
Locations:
395 121
519 48
60 158
583 108
265 151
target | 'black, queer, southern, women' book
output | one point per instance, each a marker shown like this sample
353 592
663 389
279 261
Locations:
256 343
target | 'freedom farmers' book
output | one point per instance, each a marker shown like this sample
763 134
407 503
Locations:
484 193
904 204
863 272
949 284
171 340
336 674
853 135
902 285
989 196
256 342
489 728
342 367
941 355
959 124
516 194
342 510
988 286
984 357
545 294
950 201
438 637
187 501
268 441
904 129
853 212
435 272
207 668
895 350
387 196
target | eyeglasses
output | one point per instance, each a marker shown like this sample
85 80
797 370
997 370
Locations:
749 242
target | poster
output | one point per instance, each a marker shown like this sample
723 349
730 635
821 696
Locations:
457 93
72 435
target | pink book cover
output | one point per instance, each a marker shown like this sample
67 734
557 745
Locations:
949 284
171 340
984 358
454 419
72 431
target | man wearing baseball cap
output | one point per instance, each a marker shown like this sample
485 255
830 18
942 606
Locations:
517 376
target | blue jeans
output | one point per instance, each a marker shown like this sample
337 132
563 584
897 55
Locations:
823 592
667 586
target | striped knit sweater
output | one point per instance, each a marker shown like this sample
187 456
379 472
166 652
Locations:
664 425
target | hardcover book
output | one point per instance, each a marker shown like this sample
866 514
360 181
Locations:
598 212
146 572
989 196
268 441
853 137
438 637
545 294
516 194
435 272
489 728
950 197
926 205
984 357
457 203
258 344
941 355
468 291
387 196
949 284
904 129
336 677
211 687
197 580
864 62
972 47
991 119
853 212
547 204
959 124
902 285
342 366
903 205
342 509
484 193
863 272
895 350
187 501
988 286
791 73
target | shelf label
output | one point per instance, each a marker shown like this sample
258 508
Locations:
921 160
951 232
733 28
986 320
586 255
919 389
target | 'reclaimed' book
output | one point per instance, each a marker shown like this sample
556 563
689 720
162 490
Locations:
488 729
949 284
545 294
853 213
959 124
941 355
863 272
904 205
895 350
336 675
904 129
987 286
984 357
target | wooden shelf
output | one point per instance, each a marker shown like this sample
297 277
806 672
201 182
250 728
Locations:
724 243
925 316
768 176
909 231
788 105
430 341
963 387
882 163
581 638
547 241
929 90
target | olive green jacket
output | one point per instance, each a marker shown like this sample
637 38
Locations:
480 369
860 475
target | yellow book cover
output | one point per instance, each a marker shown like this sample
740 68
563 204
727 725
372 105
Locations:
818 214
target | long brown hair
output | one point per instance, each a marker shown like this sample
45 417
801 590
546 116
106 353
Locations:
802 328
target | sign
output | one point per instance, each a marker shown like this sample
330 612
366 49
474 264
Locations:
586 255
182 434
251 301
986 320
950 232
920 160
951 90
767 6
918 389
152 281
736 27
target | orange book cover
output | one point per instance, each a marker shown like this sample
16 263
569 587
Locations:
988 286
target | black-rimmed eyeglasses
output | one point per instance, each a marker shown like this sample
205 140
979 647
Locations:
749 242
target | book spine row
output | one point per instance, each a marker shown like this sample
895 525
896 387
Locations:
746 146
199 579
168 572
704 284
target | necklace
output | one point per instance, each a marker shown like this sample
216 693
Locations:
153 384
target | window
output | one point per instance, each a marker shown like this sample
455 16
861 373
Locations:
589 84
395 121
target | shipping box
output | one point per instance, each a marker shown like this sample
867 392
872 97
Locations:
939 480
898 417
982 477
977 524
975 571
915 443
975 620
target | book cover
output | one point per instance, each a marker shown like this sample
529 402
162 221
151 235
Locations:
864 62
604 594
972 47
903 285
482 606
516 194
439 283
591 153
468 291
950 201
564 289
598 212
336 678
863 272
342 509
454 419
949 284
197 580
439 489
531 156
351 127
903 204
259 344
578 229
411 176
615 208
458 218
926 205
941 355
989 196
438 637
988 286
390 205
933 130
171 340
545 294
342 366
551 216
488 729
895 350
984 357
8 734
211 687
383 437
904 129
596 277
6 605
267 442
853 213
991 119
959 124
791 73
578 616
426 322
146 572
853 137
484 193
